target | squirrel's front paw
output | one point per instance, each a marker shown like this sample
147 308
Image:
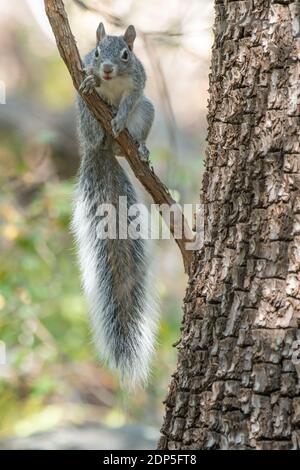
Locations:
118 125
143 152
88 84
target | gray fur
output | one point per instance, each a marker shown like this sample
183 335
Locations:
114 272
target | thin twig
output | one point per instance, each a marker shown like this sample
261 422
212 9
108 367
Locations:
163 92
68 50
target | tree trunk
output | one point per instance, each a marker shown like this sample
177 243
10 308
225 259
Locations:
237 380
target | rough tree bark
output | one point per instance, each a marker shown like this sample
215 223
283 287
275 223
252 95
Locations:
237 378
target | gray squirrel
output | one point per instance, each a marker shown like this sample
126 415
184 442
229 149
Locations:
114 272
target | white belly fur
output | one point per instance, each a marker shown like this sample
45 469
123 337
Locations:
113 90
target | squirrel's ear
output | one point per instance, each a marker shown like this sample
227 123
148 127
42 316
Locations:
100 32
130 36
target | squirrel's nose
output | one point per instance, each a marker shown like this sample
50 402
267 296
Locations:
107 68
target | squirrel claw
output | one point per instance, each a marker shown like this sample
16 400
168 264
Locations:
88 84
143 152
117 126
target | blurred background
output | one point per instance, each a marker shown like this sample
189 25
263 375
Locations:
54 393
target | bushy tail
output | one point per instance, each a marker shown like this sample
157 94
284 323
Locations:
115 274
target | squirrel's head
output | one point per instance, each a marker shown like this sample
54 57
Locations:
114 54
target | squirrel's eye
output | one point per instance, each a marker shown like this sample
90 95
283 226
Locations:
97 53
124 55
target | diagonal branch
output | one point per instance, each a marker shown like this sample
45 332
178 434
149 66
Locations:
68 50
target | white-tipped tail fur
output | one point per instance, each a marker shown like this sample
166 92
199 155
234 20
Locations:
117 284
